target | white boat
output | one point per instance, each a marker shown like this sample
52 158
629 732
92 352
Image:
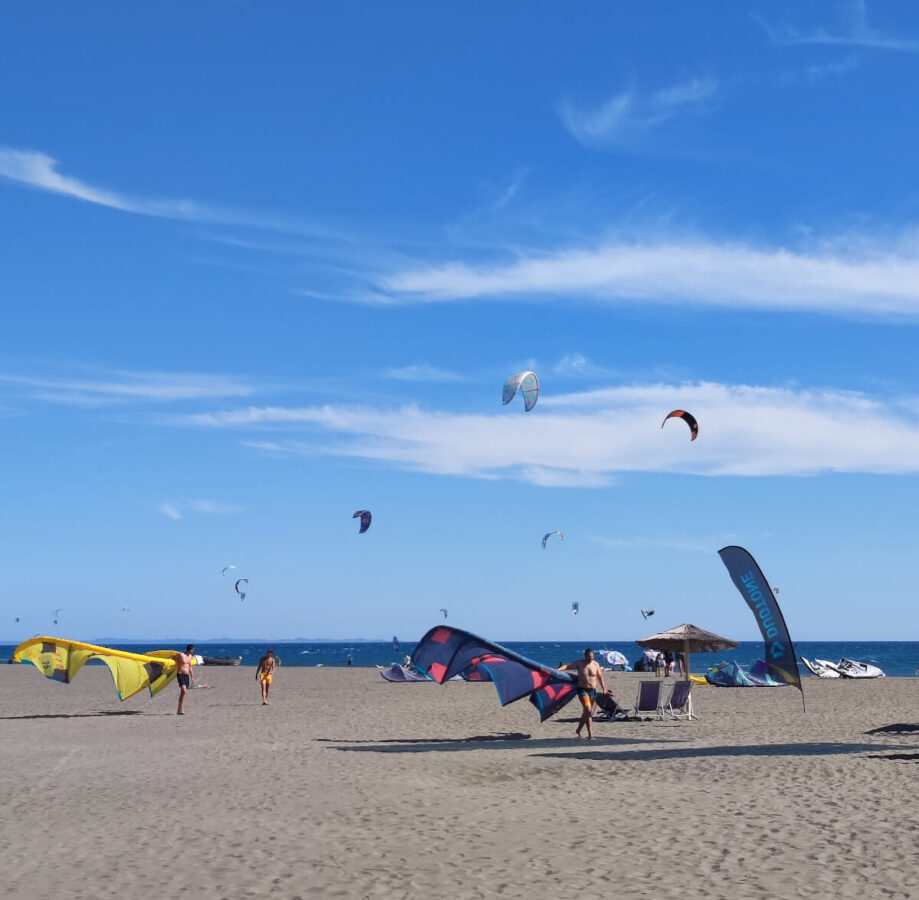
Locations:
850 668
821 668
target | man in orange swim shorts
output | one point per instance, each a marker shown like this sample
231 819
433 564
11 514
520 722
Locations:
590 674
265 673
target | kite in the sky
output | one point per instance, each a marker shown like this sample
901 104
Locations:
56 615
647 612
242 594
575 607
226 569
444 652
528 383
16 619
60 660
366 519
546 537
125 608
689 418
443 611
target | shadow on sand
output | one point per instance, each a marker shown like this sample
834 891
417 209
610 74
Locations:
740 750
92 715
897 728
481 742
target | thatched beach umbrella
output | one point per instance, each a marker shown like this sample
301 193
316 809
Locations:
687 639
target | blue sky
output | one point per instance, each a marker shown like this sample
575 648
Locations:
263 266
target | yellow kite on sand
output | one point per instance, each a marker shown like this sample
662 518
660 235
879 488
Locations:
60 660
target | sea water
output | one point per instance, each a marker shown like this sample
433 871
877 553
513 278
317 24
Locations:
896 658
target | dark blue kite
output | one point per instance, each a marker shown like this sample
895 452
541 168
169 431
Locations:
445 652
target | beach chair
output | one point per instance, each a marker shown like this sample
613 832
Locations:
679 703
610 709
648 704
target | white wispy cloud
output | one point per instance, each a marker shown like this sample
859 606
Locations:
39 170
577 365
854 32
858 277
170 510
628 115
175 509
421 372
590 438
92 386
820 71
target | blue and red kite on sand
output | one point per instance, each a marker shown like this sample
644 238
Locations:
444 652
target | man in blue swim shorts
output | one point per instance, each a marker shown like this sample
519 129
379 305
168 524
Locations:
590 674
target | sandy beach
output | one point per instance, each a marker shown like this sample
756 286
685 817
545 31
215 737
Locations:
347 786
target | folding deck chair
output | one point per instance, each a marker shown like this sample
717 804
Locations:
648 704
679 703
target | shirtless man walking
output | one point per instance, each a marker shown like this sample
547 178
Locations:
590 674
265 673
184 664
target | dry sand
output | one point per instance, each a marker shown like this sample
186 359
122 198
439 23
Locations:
347 786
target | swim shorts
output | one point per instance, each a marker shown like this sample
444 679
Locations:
184 680
266 677
587 696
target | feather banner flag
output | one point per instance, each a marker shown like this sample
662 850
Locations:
748 578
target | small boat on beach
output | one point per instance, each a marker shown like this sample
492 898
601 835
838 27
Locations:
221 660
845 668
821 668
850 668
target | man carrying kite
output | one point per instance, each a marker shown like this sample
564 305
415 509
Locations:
590 674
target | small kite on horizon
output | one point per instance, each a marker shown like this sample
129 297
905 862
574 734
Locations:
549 534
365 517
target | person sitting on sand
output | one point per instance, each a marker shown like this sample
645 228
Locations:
590 674
265 673
183 665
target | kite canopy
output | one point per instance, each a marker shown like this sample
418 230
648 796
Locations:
365 517
242 594
444 652
528 384
549 534
689 418
60 660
